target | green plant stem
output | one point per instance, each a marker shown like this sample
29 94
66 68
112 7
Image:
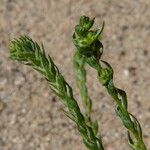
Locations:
105 76
28 52
88 45
80 72
79 62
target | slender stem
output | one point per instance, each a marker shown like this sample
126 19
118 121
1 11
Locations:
88 44
129 122
80 73
28 52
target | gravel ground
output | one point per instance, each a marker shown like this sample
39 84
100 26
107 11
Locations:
31 116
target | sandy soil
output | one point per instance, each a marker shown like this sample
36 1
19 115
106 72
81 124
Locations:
31 116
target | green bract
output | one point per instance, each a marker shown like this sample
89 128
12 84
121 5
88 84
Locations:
89 51
86 40
84 25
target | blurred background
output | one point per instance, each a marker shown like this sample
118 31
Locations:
31 116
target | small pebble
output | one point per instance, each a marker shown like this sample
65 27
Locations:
126 72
